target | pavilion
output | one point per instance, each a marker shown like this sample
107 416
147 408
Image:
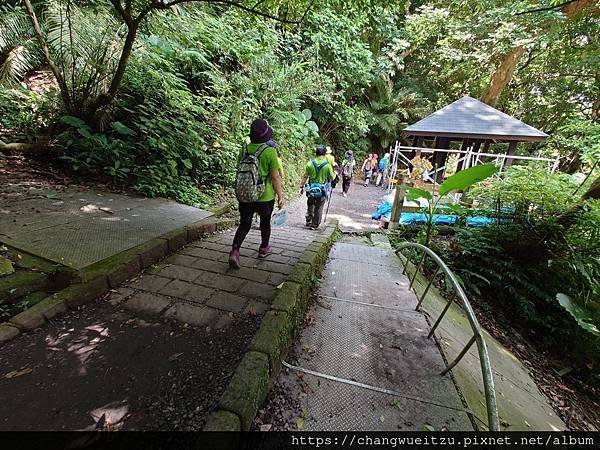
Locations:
475 125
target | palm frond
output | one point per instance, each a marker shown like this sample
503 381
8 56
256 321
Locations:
19 52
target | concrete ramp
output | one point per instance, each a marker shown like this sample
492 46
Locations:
521 406
79 228
365 362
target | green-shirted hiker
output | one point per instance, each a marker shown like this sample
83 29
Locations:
257 181
318 176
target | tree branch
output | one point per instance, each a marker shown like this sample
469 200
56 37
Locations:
122 12
547 8
159 5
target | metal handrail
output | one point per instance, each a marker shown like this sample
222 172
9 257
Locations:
488 381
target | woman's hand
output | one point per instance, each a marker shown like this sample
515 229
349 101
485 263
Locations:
280 202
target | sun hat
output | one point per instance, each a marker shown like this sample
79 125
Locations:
260 131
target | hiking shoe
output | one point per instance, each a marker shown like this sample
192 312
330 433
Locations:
345 195
263 252
234 258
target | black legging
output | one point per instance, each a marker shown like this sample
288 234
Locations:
247 210
346 184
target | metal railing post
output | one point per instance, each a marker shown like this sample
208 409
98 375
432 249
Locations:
417 271
459 294
439 319
459 357
437 271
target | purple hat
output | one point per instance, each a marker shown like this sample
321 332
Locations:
260 131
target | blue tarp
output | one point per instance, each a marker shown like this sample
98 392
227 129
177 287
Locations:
413 218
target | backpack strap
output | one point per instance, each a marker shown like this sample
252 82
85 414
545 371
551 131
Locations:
319 166
260 149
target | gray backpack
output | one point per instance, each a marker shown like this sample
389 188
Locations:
249 185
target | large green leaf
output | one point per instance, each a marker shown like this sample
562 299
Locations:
582 316
307 114
121 129
465 178
313 127
413 193
73 121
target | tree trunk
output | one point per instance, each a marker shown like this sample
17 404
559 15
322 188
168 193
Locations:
502 76
64 89
572 9
505 71
593 192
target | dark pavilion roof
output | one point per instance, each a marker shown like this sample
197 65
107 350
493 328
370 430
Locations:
470 118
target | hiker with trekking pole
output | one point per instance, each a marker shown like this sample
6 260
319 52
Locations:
317 184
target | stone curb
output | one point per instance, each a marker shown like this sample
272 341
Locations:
97 279
260 366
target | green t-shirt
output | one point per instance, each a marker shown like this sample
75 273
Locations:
267 162
331 160
325 174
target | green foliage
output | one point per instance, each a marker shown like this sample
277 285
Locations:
531 193
25 114
581 316
465 178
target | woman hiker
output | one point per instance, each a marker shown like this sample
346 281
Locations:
347 171
367 169
269 180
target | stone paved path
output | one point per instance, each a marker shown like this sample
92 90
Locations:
196 285
129 358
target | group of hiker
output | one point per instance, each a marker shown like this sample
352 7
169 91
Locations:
375 167
259 182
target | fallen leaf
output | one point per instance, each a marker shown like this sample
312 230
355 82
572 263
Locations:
395 403
231 315
18 373
299 423
504 423
527 423
174 356
266 427
279 286
381 419
428 427
252 311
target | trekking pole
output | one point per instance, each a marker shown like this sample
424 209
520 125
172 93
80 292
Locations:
328 203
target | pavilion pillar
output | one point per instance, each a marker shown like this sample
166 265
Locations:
439 158
485 149
476 147
512 148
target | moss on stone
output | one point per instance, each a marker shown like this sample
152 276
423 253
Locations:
223 421
273 338
248 388
20 284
